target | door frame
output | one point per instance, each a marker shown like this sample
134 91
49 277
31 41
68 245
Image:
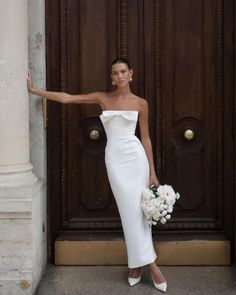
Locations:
229 117
234 127
53 82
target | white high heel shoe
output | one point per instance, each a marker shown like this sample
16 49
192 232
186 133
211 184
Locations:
161 287
134 281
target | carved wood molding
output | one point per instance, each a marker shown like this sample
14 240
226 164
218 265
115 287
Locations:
219 104
159 26
123 29
64 44
64 108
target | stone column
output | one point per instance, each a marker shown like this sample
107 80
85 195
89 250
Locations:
15 169
19 187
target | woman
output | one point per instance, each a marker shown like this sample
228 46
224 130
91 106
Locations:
129 162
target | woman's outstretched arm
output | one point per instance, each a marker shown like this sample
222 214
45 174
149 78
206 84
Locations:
62 97
146 141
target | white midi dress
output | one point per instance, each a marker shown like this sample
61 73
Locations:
128 174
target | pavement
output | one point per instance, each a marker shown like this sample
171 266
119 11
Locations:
104 280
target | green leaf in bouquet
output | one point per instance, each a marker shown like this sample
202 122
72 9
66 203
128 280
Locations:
153 188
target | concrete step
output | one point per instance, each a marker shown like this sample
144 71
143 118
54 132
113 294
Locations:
113 252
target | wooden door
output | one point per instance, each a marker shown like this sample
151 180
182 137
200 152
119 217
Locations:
179 51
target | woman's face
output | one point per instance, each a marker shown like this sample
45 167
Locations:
121 74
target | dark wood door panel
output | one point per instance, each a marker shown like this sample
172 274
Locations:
176 50
193 100
88 201
92 34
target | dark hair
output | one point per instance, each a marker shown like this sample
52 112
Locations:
121 60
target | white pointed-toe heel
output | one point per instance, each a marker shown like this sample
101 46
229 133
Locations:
134 281
161 287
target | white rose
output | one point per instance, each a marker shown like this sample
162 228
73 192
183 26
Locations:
164 213
169 209
163 220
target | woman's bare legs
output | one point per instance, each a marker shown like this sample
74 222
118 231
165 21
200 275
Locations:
155 270
156 273
135 272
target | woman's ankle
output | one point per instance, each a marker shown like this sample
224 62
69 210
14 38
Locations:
152 266
157 274
135 272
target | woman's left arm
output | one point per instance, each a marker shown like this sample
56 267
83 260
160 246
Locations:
146 141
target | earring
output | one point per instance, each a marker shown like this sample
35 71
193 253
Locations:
130 79
113 83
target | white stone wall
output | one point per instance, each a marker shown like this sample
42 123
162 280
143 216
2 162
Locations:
37 63
18 273
22 143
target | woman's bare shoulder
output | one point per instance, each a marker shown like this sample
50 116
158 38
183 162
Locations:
142 103
103 96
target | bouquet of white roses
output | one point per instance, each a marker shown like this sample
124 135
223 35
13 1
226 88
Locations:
157 203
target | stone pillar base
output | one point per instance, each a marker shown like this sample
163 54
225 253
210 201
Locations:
22 238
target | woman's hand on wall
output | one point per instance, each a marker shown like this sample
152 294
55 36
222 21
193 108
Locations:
29 80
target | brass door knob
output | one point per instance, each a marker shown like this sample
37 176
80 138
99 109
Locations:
94 134
189 134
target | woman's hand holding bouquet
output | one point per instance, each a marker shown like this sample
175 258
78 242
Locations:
157 203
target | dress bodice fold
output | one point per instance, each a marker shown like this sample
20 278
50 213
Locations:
129 115
123 123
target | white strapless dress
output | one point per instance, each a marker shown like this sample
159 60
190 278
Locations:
128 173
